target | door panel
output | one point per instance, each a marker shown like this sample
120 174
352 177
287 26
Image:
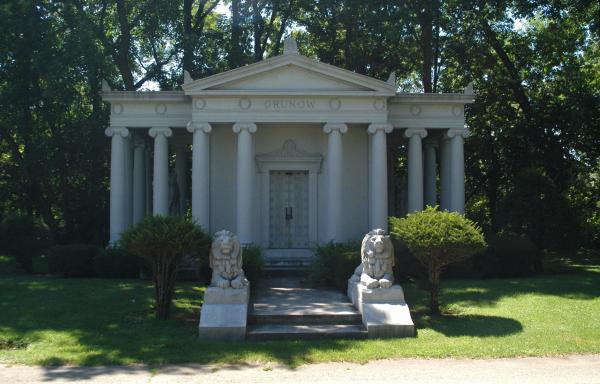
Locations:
288 209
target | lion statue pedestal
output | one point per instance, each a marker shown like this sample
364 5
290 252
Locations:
225 310
371 290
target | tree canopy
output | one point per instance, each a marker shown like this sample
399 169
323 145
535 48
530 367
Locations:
532 161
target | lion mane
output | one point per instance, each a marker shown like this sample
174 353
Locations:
225 259
377 256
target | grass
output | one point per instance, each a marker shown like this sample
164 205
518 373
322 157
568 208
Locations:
50 321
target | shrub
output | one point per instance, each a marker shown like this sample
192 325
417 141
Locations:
346 262
437 239
329 261
115 262
24 237
72 260
163 240
514 255
253 263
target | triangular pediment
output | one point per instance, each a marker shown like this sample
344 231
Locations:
289 73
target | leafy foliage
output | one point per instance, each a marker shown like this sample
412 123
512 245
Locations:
72 260
253 263
436 239
333 264
164 240
24 237
115 262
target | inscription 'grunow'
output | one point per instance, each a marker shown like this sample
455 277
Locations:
289 104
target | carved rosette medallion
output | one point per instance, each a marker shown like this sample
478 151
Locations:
379 104
415 110
335 104
458 110
117 108
199 104
160 109
245 103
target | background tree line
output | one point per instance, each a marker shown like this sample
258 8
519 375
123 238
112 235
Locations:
532 161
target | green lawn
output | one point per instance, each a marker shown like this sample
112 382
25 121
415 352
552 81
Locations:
50 321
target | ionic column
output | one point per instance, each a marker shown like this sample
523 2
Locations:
457 169
444 173
378 207
117 181
200 173
334 162
160 196
139 180
181 170
415 168
128 165
245 180
430 175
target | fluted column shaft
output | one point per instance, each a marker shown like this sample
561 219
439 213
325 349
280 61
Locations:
181 170
139 181
457 169
200 173
415 168
117 181
245 180
378 198
444 173
334 162
161 170
430 175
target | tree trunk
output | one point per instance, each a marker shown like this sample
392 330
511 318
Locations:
236 55
426 24
434 288
188 41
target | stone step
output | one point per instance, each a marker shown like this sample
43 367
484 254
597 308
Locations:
305 332
287 264
259 318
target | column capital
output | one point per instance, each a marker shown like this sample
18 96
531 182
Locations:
111 131
155 131
410 132
330 127
453 132
385 127
194 126
239 127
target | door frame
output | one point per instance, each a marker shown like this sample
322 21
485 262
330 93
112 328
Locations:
289 158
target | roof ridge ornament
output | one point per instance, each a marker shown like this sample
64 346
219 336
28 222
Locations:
290 47
105 86
469 89
187 78
392 78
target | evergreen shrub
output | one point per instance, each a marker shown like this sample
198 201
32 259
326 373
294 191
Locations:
24 237
72 260
115 262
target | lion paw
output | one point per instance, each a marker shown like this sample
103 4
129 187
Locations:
385 283
223 283
373 284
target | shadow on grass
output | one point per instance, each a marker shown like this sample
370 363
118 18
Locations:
469 325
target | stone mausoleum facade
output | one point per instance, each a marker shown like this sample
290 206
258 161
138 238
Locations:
287 152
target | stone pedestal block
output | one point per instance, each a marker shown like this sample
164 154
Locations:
384 311
224 314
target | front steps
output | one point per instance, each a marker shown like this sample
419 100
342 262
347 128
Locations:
287 311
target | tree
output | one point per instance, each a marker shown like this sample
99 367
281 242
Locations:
436 239
164 240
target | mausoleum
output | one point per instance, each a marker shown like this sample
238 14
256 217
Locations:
287 152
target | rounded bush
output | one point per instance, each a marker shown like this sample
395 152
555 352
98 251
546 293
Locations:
114 262
514 255
436 239
346 262
72 260
163 241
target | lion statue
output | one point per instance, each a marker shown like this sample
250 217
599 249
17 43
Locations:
226 261
377 255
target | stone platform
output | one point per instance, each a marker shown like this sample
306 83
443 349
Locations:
283 309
